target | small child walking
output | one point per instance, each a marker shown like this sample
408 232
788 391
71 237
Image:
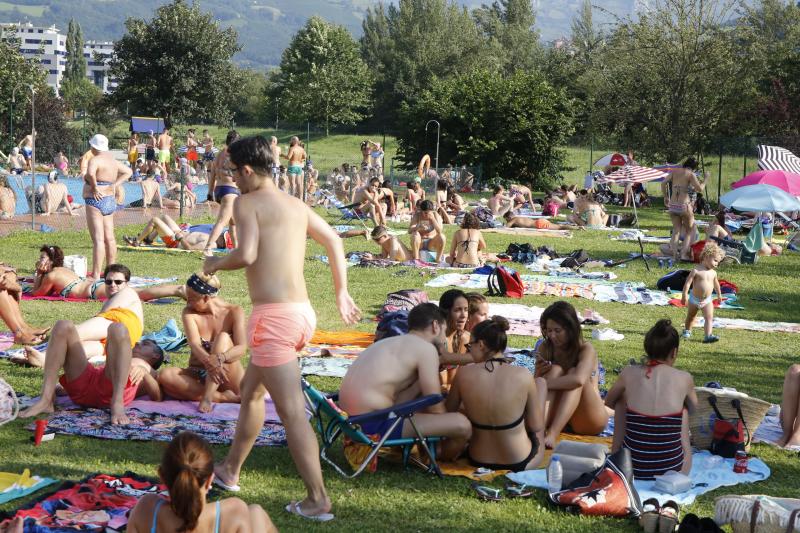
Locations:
703 282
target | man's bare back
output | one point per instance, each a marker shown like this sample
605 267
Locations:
164 141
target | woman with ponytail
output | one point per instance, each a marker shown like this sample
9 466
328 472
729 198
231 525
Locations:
504 403
187 469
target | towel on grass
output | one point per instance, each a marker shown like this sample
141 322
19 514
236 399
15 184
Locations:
531 232
335 367
170 338
357 338
100 502
136 282
13 485
157 247
752 325
705 477
6 340
729 301
770 431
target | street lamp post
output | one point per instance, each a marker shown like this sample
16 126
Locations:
438 129
33 157
11 118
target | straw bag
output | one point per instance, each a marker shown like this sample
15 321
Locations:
701 422
758 514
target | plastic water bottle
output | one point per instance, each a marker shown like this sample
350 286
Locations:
554 475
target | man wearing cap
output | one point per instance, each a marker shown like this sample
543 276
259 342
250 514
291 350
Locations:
103 175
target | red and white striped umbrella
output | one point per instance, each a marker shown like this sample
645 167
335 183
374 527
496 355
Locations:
632 174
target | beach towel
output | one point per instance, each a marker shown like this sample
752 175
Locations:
335 367
770 431
524 319
531 232
13 485
752 325
170 338
158 247
345 351
100 502
19 352
155 426
706 475
136 282
6 340
358 338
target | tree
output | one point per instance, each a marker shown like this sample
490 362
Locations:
671 82
76 61
79 94
322 77
509 26
177 65
18 73
410 45
52 132
250 108
513 126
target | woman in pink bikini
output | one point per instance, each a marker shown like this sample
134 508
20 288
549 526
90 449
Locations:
679 206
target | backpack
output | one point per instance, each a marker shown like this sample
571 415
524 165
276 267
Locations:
505 282
674 280
485 216
575 259
9 406
521 253
392 325
606 491
403 300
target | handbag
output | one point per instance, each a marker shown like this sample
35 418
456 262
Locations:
729 435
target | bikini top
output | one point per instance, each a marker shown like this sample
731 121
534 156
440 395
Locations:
487 427
160 502
468 241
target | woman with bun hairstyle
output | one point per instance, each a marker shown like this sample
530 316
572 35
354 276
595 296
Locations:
187 469
569 365
504 403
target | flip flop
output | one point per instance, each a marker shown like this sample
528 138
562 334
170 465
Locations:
489 494
224 486
519 491
294 508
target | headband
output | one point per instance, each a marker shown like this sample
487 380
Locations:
199 286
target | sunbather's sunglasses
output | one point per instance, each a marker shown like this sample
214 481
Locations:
114 281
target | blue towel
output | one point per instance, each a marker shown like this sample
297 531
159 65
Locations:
169 338
19 492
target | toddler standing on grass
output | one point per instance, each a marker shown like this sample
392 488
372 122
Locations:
703 282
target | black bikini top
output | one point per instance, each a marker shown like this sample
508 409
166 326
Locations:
513 424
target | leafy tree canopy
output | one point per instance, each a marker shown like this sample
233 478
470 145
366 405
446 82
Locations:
18 73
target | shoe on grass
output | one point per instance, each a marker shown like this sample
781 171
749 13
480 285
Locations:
686 333
710 338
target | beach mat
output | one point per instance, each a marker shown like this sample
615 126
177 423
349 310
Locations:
751 325
14 486
163 249
531 232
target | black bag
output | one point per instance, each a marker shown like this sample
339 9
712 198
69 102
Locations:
392 325
627 221
575 259
521 253
674 280
730 435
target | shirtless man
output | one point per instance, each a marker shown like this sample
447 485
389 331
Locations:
392 248
223 187
679 206
16 161
500 203
56 196
368 199
191 148
208 150
103 177
400 369
26 145
217 339
150 151
151 193
426 231
275 149
296 157
273 229
513 221
164 144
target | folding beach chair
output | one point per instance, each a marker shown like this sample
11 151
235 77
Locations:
332 422
346 212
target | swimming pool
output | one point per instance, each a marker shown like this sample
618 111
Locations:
133 191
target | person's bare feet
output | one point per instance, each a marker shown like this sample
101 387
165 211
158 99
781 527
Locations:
12 526
119 416
205 405
34 357
225 476
313 508
42 406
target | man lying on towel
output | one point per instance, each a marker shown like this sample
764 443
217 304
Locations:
534 223
399 369
123 306
130 365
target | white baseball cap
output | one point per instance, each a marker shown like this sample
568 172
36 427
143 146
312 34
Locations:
99 142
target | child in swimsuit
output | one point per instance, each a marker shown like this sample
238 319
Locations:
652 402
703 282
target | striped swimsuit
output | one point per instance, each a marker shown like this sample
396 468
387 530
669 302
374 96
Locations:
654 442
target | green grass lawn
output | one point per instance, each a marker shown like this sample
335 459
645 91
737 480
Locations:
413 501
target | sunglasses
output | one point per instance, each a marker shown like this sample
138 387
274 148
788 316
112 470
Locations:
114 281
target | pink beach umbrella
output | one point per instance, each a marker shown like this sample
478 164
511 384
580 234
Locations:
782 179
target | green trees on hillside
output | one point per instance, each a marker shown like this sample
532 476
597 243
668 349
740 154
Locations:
17 74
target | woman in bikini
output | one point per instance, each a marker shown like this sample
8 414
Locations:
716 227
588 212
651 405
679 206
216 331
414 195
51 278
569 365
467 244
10 311
224 190
187 469
504 403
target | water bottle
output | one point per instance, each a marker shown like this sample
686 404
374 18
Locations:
554 475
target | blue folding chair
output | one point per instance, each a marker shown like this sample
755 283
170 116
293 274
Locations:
332 422
346 212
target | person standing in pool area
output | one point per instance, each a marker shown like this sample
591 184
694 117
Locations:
103 175
223 190
296 157
26 145
150 151
164 151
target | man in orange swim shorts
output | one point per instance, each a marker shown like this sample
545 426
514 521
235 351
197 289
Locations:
272 245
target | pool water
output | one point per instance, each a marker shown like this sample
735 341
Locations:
133 191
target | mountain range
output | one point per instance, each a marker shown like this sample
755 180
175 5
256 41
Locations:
265 27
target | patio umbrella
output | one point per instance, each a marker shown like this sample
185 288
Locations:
777 158
632 174
763 198
615 159
782 179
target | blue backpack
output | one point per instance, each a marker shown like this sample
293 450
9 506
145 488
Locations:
392 325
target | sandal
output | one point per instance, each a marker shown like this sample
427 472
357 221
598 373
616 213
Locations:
131 241
514 490
650 514
485 493
668 519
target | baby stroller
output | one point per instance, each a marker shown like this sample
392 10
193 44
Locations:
604 195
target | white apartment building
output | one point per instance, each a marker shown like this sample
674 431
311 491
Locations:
48 45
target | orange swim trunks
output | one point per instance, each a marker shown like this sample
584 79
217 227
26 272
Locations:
542 223
276 332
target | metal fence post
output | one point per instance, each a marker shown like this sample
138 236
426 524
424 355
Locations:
719 174
183 184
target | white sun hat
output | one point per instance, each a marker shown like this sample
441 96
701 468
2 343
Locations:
99 142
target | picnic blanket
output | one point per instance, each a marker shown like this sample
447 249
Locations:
136 282
335 367
13 485
100 502
531 232
752 325
524 319
706 476
158 247
6 340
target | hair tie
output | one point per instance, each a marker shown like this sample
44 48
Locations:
199 286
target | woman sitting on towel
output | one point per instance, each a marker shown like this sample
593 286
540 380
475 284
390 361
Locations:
468 242
651 403
790 410
187 469
716 227
569 365
10 311
588 212
455 306
52 278
217 335
504 403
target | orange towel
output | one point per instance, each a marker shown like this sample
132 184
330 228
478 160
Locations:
358 338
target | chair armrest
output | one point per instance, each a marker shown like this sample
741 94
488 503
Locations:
400 410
